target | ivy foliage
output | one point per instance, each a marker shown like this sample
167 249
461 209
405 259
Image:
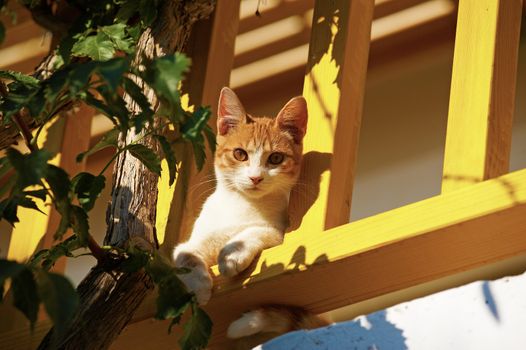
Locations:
93 66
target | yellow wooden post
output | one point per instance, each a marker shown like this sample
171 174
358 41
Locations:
334 84
482 92
212 56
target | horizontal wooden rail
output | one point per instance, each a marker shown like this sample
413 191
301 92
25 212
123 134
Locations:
284 10
321 271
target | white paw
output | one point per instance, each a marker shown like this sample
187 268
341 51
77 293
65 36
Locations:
198 283
234 258
198 280
250 323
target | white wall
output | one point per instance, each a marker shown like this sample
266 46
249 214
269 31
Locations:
486 315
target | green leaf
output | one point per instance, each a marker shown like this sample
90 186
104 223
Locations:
164 74
97 47
197 330
159 267
146 156
210 137
118 35
80 224
112 71
170 157
199 155
63 208
30 168
87 188
100 106
8 269
8 210
23 79
59 297
128 9
59 182
148 11
103 45
137 95
25 297
29 203
109 139
79 76
46 258
136 260
40 194
173 298
193 127
117 107
5 166
175 320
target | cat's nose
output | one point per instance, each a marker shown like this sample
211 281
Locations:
255 179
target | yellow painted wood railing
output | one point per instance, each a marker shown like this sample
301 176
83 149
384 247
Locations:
325 262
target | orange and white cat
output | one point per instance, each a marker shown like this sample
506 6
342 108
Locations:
257 162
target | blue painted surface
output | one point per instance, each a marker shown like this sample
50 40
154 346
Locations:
376 333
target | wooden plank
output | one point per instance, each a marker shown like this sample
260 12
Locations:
212 56
385 8
273 48
283 10
457 231
333 88
353 72
22 32
482 96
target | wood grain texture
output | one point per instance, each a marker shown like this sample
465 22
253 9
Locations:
420 242
352 91
333 87
482 95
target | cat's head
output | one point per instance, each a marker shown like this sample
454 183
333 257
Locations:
259 155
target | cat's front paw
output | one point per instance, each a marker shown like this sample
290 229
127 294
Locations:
234 258
198 283
198 280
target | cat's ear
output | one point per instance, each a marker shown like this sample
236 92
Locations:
293 118
230 111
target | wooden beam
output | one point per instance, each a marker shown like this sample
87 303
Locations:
482 96
283 10
352 77
273 48
333 88
22 15
385 8
22 32
440 236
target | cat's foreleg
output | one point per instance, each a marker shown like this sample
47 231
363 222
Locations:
198 280
240 251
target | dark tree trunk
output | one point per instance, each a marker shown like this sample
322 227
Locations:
107 302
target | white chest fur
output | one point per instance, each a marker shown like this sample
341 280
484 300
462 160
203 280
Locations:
227 212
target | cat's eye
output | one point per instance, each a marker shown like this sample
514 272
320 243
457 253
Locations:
276 158
240 154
